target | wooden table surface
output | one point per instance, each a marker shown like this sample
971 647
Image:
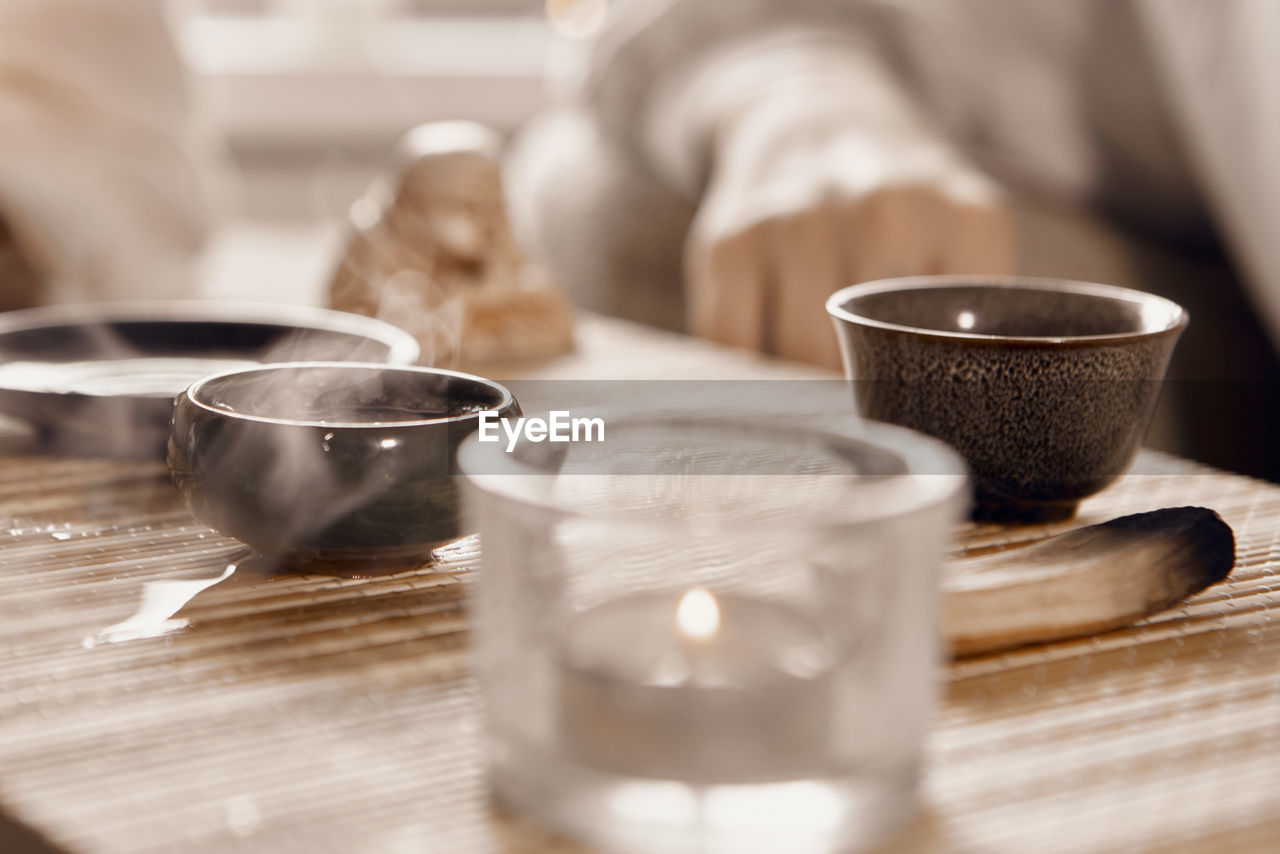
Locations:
308 713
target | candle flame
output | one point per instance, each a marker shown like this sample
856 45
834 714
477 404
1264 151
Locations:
698 614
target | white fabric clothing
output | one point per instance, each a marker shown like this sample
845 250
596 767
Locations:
96 182
1162 112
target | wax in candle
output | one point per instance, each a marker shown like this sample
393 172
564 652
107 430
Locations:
695 687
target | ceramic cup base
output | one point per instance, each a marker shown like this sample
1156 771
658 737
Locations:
1021 512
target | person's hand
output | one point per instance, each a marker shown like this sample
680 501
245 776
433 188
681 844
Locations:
803 202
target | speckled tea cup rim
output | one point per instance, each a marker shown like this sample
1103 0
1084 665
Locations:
1177 316
193 391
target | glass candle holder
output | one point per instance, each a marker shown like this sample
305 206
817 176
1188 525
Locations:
711 635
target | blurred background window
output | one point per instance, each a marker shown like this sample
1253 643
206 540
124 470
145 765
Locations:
307 96
305 99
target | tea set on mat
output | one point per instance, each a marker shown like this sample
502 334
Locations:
694 631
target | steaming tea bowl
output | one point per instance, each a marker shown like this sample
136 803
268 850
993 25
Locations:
329 460
1044 386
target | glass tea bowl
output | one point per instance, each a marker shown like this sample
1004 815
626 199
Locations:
100 379
711 633
1044 386
335 461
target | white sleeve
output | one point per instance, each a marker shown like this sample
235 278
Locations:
1220 63
665 73
95 179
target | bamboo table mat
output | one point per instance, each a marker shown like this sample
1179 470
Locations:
312 713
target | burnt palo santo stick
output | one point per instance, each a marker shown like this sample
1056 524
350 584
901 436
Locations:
1086 581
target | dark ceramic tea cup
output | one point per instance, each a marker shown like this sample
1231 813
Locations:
1044 386
329 460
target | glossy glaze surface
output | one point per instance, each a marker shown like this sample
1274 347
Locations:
326 460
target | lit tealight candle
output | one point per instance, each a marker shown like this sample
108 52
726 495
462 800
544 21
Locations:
696 687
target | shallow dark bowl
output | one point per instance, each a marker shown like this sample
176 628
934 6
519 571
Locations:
328 460
1044 386
100 379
